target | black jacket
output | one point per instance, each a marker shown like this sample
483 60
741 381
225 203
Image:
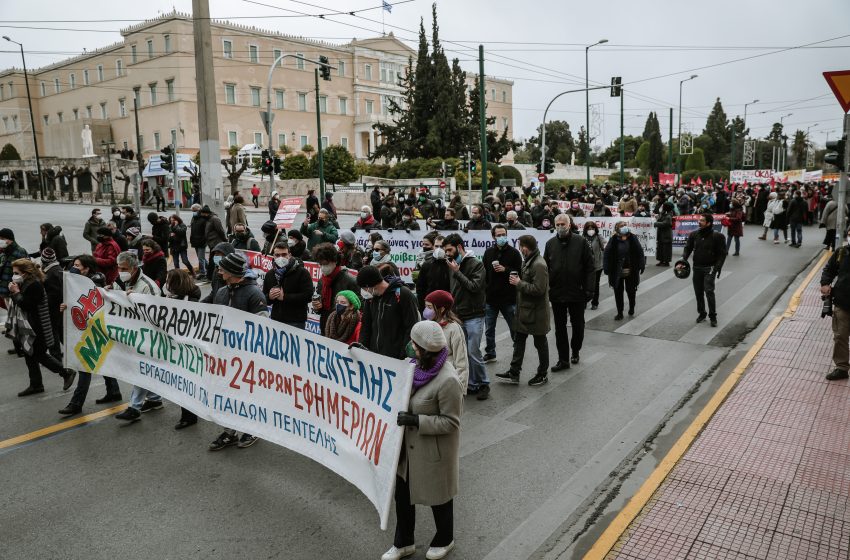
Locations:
434 275
198 231
796 212
160 231
297 291
387 320
447 225
707 246
572 274
837 269
53 284
479 224
121 240
469 288
613 261
499 291
177 238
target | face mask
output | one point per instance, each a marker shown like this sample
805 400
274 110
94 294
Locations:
518 208
428 314
439 253
125 276
321 222
122 215
74 270
458 258
291 242
116 214
281 262
97 216
364 215
364 294
502 240
625 230
196 214
3 243
376 255
242 236
591 232
17 278
217 259
562 231
327 269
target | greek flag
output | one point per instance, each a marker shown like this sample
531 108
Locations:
387 6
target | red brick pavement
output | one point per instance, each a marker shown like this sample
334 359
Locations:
769 476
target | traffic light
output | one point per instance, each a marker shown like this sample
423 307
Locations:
549 166
537 168
265 163
167 158
835 153
473 165
616 86
277 165
450 170
464 160
324 68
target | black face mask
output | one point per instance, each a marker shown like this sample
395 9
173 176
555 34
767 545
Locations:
241 236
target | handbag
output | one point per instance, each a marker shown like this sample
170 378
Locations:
725 221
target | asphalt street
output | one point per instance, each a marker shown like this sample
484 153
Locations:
531 457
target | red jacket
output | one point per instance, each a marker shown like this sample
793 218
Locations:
255 191
106 255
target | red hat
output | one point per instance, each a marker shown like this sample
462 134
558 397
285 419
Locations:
441 299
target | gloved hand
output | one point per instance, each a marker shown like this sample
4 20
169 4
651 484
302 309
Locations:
356 345
407 230
390 230
407 419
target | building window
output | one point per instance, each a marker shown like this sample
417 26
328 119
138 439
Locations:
370 106
153 93
343 142
122 107
72 80
11 90
504 96
56 87
323 104
88 111
281 140
255 96
254 53
59 116
340 68
150 48
169 88
119 67
299 62
156 141
137 94
45 118
343 106
279 99
167 43
368 71
302 101
304 140
258 138
103 113
230 94
277 53
43 89
100 72
325 141
493 94
85 77
174 137
231 138
76 114
134 56
228 49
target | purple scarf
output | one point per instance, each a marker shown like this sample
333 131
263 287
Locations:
421 376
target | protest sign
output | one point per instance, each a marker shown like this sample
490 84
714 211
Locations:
685 224
586 207
405 246
286 212
299 390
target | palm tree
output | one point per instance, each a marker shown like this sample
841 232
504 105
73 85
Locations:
799 147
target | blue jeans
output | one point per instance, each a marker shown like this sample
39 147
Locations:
737 239
178 255
473 329
491 315
797 233
201 252
139 396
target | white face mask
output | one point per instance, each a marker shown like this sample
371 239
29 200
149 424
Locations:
439 253
327 269
364 215
291 242
591 232
364 294
281 262
3 243
125 276
17 279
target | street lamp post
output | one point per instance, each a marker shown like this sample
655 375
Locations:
784 141
679 159
587 107
106 147
32 117
807 136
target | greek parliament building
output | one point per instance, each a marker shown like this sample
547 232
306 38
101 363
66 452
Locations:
155 64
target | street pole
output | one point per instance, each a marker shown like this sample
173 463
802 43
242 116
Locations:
841 219
32 117
670 145
784 140
679 158
622 139
469 180
205 84
139 158
175 181
319 132
745 128
587 108
732 157
482 117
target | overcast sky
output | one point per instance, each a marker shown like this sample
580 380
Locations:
540 46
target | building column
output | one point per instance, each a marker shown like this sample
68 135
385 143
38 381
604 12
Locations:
75 186
371 141
26 183
358 144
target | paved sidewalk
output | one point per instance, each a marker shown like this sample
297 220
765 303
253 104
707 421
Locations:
769 475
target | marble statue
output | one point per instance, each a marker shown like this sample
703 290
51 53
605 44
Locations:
88 145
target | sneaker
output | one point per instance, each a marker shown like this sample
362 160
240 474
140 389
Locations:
489 358
439 552
776 242
509 376
131 414
71 410
836 374
222 441
786 242
107 398
538 380
396 553
151 405
68 376
483 393
247 440
701 317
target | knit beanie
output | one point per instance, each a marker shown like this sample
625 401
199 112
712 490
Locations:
234 264
369 276
48 256
6 233
441 299
348 238
428 335
133 232
351 297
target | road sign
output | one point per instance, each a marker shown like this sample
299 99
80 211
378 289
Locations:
839 82
542 178
442 184
267 119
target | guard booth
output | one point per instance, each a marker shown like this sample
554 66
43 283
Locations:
155 175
